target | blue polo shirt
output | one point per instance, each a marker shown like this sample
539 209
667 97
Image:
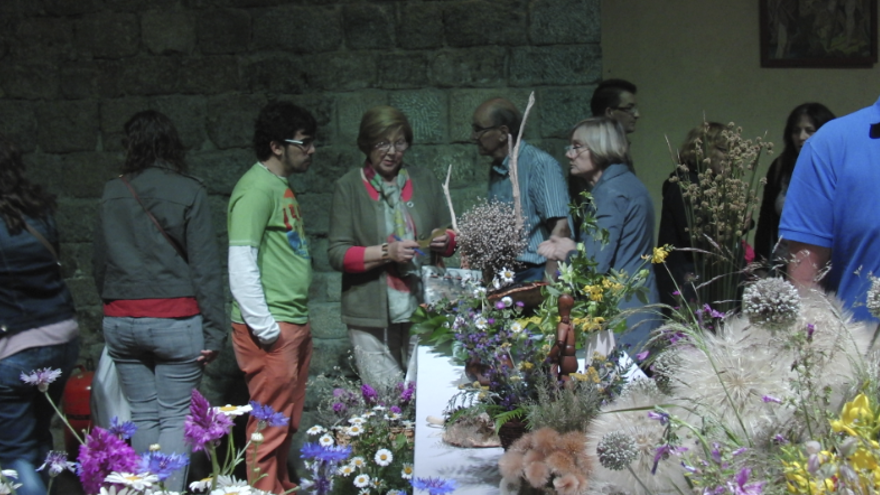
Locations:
833 201
543 194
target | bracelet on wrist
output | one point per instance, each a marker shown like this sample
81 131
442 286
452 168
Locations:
385 255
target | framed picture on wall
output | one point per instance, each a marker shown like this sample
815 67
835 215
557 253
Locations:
818 33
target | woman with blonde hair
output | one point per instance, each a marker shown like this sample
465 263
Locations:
599 154
387 219
709 140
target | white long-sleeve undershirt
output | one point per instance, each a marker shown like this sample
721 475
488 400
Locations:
244 282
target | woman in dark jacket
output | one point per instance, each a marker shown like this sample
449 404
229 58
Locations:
37 325
802 123
157 268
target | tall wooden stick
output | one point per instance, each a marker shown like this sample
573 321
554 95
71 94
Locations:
449 199
514 158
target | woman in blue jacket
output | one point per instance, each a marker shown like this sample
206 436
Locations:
37 325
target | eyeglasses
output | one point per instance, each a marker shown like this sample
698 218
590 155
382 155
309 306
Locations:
577 148
304 145
400 145
630 110
478 130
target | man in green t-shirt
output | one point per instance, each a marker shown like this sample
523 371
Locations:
269 275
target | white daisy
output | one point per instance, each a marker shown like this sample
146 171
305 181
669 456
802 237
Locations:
354 430
393 416
507 301
224 480
164 492
233 411
407 471
369 414
357 420
408 424
345 471
507 275
361 481
139 482
379 408
233 490
479 292
364 491
201 485
481 323
376 483
358 462
325 440
516 327
256 437
116 491
383 457
316 430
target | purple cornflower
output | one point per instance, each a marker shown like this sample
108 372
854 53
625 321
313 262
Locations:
57 462
500 305
739 451
662 417
740 487
369 394
810 329
124 431
162 465
332 454
339 408
41 378
711 312
394 409
676 293
434 486
267 416
204 425
770 398
520 304
642 355
780 439
102 454
716 453
407 394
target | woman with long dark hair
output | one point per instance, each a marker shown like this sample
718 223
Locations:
802 123
157 269
37 325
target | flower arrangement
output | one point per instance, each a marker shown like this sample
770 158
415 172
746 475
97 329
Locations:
373 427
108 465
719 202
778 399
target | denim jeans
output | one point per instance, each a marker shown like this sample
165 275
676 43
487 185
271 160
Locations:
156 359
25 413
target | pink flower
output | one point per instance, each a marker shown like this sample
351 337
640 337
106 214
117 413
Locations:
204 424
41 378
102 454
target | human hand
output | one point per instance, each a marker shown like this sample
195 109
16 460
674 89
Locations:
556 248
440 243
207 356
402 251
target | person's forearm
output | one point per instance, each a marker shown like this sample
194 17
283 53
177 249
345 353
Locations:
244 282
807 262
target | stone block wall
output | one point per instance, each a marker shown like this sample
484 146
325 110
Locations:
72 72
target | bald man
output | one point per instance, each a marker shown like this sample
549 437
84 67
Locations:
543 192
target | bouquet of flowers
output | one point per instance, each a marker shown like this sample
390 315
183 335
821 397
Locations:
373 425
108 465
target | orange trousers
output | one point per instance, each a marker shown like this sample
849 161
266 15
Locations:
276 378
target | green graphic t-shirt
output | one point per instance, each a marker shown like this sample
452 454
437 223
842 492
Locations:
264 213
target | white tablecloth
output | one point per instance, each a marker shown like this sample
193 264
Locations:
475 470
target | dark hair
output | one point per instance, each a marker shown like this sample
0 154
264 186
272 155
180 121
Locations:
818 114
607 95
18 197
151 137
379 122
277 121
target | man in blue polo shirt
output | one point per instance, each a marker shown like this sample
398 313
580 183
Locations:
544 194
831 210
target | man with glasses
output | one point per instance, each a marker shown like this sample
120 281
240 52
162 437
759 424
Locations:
269 275
616 98
543 192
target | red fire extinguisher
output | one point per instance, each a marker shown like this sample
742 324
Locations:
75 405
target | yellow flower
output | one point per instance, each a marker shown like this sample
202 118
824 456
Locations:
526 365
855 414
579 377
659 255
593 375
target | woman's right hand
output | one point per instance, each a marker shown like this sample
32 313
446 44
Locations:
402 251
